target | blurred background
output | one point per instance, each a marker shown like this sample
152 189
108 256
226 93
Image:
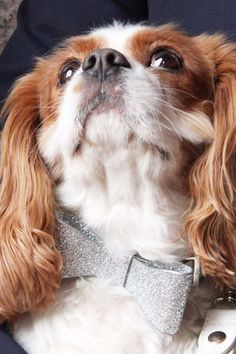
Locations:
8 9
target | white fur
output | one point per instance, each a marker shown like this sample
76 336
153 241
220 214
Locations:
120 185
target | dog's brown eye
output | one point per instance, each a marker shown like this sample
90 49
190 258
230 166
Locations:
166 59
68 71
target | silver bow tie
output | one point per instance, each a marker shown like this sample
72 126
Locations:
161 289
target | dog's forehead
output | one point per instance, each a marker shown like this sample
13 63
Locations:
135 40
117 36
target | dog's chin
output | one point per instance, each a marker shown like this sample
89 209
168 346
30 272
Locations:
101 104
106 127
106 118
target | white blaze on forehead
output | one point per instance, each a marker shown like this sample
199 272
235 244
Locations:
117 36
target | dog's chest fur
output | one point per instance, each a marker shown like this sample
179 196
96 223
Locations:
130 195
122 195
96 317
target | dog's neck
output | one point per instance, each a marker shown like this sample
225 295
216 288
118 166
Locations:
132 193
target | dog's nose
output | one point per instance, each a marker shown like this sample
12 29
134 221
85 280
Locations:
104 62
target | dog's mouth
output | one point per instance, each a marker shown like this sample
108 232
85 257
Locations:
89 107
108 96
104 101
98 102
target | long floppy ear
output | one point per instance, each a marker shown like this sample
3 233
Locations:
30 265
211 224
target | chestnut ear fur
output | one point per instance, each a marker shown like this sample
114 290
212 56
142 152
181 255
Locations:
30 264
211 224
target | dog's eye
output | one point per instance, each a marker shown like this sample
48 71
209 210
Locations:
166 59
68 71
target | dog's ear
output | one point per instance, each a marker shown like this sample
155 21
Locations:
30 264
211 224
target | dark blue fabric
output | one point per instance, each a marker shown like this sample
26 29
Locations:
7 344
196 16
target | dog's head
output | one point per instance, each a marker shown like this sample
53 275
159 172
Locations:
172 94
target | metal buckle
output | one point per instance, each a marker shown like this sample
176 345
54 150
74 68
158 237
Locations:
195 264
128 269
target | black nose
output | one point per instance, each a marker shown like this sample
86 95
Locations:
104 62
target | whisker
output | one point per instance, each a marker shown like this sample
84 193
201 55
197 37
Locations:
169 89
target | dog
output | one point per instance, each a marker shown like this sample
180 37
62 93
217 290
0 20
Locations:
132 128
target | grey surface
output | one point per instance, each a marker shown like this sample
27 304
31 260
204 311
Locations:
8 10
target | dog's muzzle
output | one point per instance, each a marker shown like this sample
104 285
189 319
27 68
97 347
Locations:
160 289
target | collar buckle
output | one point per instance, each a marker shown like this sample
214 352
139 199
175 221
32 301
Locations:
194 263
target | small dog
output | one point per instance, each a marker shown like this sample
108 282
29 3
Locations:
133 129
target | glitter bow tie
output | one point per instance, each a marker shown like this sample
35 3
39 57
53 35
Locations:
161 289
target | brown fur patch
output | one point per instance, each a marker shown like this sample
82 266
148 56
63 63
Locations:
47 71
192 86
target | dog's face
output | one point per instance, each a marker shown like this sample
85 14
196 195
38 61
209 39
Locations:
154 96
125 82
122 83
